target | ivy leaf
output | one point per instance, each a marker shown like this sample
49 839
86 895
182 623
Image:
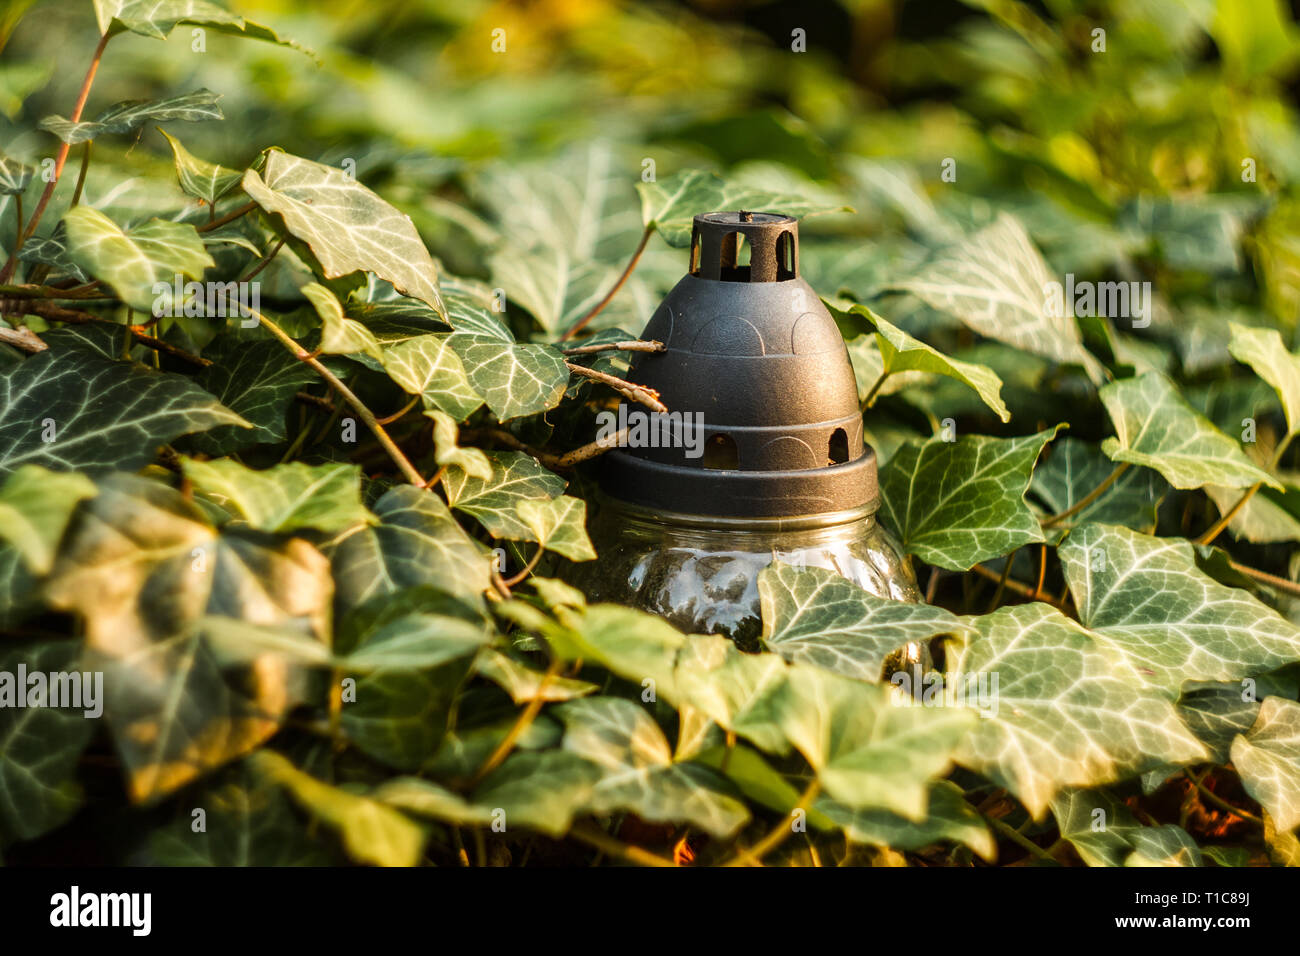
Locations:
101 415
1105 833
513 379
133 262
540 790
902 353
427 365
628 642
144 569
494 501
198 177
671 205
995 282
14 176
1063 713
1147 598
948 817
524 684
339 334
348 228
1265 352
638 770
817 617
256 380
1073 468
128 115
955 504
35 505
284 498
472 461
1217 712
400 715
1268 759
869 750
39 746
1262 520
372 831
157 18
417 541
559 525
1156 427
249 822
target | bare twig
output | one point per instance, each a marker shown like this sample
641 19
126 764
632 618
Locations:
630 390
1272 580
632 345
77 317
24 339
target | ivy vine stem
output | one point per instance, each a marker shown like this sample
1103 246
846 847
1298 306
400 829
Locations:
1089 498
754 855
1226 518
522 723
399 458
618 284
60 158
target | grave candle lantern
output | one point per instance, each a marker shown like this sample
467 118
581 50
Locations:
761 456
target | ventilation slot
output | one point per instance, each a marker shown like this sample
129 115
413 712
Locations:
839 450
720 452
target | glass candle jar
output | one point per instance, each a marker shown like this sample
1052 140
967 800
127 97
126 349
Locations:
700 573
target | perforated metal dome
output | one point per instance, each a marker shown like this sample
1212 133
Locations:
750 348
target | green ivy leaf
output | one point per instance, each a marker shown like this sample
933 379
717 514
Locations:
1063 713
540 790
671 205
638 773
1166 845
1073 468
447 453
957 503
284 498
996 282
339 334
144 569
35 505
372 831
39 746
559 525
129 115
427 365
902 353
516 477
524 684
101 415
157 18
513 379
1146 597
1268 759
1265 352
948 817
348 228
417 541
132 262
256 380
198 177
248 822
1156 427
14 176
817 617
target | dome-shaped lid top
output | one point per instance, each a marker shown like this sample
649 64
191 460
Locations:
763 416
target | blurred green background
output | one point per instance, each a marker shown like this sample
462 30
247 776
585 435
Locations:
1127 162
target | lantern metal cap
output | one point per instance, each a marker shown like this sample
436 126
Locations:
763 417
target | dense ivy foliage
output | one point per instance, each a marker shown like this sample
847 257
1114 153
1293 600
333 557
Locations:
294 450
